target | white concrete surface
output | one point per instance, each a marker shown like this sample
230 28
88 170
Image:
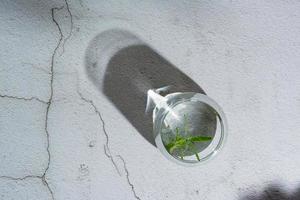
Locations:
60 137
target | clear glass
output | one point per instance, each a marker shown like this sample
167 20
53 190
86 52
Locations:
189 128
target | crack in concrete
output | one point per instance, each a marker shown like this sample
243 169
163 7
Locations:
111 158
48 103
106 145
127 177
107 151
24 98
20 178
71 26
50 100
43 177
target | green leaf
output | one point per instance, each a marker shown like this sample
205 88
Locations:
181 143
199 138
169 146
195 151
197 156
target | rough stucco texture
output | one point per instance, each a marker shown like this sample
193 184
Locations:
61 138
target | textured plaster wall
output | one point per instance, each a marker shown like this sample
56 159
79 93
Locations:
61 138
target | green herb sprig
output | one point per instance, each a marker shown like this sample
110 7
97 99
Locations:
182 143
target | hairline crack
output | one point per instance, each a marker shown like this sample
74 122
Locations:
107 151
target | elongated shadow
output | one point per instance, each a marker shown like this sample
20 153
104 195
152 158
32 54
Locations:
124 68
273 192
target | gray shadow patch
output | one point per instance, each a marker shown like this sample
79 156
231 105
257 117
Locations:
124 68
273 192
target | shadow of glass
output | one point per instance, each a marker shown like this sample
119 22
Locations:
273 192
124 68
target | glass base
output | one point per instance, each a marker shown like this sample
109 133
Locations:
190 128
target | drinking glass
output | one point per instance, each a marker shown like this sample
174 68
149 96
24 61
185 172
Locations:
189 128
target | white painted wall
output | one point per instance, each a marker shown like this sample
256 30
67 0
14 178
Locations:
244 54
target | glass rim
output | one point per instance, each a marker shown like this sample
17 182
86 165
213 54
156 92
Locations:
197 97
